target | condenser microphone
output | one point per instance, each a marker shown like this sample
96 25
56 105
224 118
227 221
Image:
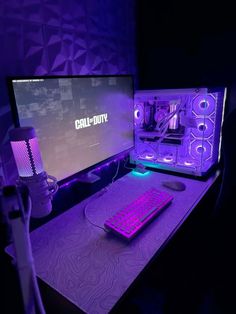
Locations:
29 163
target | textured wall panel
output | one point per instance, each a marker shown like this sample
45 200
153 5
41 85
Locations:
52 13
52 37
32 10
34 50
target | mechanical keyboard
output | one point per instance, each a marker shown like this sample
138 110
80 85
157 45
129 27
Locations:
128 221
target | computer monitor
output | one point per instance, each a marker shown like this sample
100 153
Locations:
80 121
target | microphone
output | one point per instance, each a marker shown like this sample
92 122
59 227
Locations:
29 164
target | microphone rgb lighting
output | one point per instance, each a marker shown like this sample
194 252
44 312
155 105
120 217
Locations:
29 163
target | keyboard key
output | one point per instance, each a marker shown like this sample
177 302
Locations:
128 221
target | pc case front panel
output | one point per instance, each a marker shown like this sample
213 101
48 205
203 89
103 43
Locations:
178 130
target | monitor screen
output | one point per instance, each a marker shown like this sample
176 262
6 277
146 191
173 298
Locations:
80 121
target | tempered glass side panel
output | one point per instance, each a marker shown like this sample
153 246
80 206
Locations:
178 130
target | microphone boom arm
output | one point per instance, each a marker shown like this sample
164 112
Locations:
18 218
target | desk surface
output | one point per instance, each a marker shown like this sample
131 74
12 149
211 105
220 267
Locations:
94 269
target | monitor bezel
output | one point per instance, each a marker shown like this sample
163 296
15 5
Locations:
16 121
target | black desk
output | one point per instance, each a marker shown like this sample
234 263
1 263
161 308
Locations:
92 269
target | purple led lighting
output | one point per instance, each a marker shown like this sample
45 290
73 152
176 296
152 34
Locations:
35 149
146 155
165 159
138 113
149 156
204 104
200 149
182 130
168 159
22 159
69 183
27 156
205 128
129 220
202 127
188 163
26 151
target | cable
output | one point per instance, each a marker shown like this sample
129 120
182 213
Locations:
99 194
125 164
53 187
86 216
116 174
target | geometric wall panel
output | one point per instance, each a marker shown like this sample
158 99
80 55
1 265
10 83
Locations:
53 37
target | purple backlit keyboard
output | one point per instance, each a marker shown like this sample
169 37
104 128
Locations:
128 221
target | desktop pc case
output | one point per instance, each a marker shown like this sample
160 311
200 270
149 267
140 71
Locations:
178 129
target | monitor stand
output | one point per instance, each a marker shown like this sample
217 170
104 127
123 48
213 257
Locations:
89 177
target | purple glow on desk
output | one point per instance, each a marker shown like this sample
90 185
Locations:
94 261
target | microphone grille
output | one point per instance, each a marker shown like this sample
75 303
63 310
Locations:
26 151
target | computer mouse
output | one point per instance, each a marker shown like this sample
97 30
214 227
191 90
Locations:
174 185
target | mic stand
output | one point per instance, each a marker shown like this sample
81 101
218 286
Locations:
18 219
